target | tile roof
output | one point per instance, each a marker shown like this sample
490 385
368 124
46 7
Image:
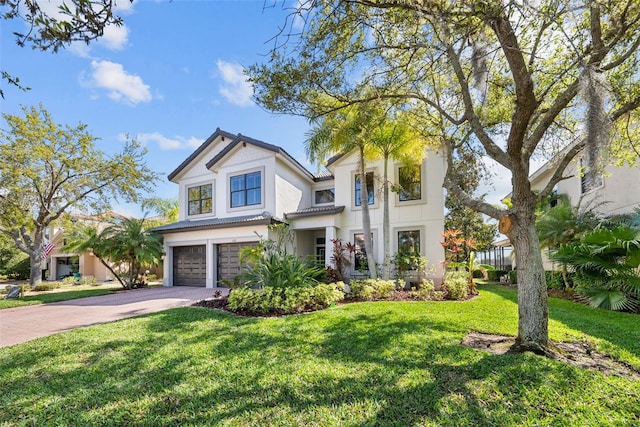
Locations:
314 211
212 223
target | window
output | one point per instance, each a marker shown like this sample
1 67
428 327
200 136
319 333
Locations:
409 241
325 196
246 190
360 255
370 192
589 179
200 199
410 180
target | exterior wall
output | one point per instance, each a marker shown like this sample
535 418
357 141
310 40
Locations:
425 215
292 191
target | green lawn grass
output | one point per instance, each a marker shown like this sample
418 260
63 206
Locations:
366 364
65 293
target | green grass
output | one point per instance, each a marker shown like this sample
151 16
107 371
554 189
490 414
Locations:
65 293
366 364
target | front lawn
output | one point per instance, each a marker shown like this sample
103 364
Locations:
365 364
68 291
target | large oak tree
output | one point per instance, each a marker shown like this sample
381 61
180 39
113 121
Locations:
523 78
47 169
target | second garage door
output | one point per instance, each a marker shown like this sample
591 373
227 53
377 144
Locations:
189 265
229 260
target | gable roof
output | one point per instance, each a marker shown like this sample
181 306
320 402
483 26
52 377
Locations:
260 144
199 150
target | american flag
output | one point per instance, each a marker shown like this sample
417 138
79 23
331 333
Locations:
48 248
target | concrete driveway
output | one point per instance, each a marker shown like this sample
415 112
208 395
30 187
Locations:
21 324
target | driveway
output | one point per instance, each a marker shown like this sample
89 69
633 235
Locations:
21 324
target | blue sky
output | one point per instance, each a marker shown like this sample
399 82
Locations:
169 77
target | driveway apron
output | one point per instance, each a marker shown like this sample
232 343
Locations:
21 324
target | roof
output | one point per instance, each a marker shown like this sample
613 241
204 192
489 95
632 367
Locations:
260 144
200 149
213 223
315 211
237 139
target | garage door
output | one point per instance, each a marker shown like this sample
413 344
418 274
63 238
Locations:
229 260
189 265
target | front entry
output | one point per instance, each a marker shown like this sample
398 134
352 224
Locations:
229 261
190 265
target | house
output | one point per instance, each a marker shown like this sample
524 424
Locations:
233 187
613 191
61 264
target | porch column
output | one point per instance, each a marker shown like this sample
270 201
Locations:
211 265
329 234
167 266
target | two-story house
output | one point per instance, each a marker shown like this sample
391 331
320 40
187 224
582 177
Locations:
614 190
233 186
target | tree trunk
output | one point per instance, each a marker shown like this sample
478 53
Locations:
533 314
386 226
366 218
35 269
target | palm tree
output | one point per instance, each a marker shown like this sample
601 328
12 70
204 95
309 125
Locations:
394 138
563 224
123 248
341 132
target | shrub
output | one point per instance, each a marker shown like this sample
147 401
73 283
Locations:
47 286
18 267
478 274
370 289
554 279
281 271
456 284
495 275
271 300
424 292
513 276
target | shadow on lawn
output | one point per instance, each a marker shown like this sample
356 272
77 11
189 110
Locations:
372 364
619 329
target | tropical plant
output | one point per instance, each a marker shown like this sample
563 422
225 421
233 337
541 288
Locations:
271 265
563 224
606 264
341 254
124 248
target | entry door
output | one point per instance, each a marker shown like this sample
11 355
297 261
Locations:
190 265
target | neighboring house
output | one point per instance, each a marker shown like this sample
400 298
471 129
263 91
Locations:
62 264
233 187
614 191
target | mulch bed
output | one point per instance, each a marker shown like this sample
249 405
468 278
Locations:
576 353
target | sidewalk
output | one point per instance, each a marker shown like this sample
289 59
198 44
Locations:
21 324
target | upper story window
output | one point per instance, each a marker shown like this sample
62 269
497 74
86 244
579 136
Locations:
370 189
325 196
410 180
246 189
200 199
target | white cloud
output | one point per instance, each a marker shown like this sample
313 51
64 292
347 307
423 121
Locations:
115 38
165 143
235 88
121 86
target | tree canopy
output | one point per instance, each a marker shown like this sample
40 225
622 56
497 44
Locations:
522 78
47 169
